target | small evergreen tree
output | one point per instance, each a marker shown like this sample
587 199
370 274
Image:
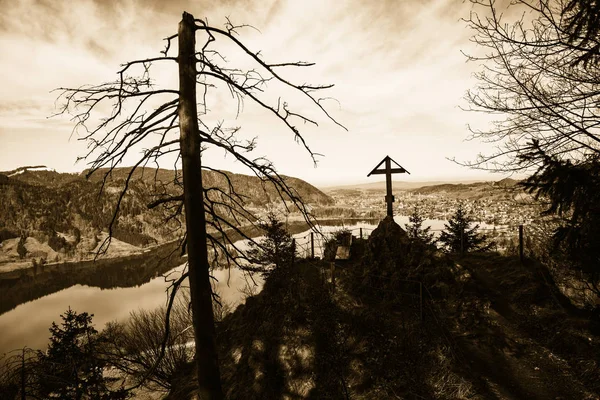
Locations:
275 249
71 367
415 230
21 250
458 235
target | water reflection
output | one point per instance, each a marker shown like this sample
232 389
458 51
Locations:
27 324
21 286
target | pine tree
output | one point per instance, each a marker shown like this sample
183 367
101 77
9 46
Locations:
415 230
458 235
275 249
71 367
573 192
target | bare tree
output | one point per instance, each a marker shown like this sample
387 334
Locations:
121 116
540 76
134 346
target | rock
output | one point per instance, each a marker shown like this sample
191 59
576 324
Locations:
388 233
387 244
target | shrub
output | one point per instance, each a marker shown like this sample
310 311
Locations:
7 234
57 243
341 237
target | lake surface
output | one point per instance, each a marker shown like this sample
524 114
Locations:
27 324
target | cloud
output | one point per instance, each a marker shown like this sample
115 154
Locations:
396 65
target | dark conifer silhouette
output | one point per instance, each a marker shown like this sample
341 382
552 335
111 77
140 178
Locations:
276 250
460 236
415 229
72 368
573 193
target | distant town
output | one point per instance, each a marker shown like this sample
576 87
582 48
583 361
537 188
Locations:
498 206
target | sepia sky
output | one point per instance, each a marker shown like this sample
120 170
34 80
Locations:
397 67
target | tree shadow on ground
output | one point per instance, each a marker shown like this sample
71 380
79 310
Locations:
300 339
280 343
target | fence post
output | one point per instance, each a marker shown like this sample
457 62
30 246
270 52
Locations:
421 300
361 233
293 250
312 245
521 250
462 240
333 275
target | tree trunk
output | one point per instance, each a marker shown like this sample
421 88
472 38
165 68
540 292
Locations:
207 362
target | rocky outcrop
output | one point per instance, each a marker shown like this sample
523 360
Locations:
388 238
387 247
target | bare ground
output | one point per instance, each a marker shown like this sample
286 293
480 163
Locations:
511 352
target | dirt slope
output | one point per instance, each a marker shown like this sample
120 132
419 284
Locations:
524 345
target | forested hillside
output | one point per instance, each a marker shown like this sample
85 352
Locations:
67 213
503 189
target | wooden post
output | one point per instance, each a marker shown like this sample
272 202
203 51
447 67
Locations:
421 300
333 275
521 250
361 236
293 251
312 245
206 356
462 240
389 198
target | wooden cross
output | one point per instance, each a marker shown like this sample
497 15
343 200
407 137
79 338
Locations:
388 171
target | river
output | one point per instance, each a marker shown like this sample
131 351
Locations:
26 321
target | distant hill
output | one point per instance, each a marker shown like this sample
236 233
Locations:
397 185
460 187
40 176
67 212
503 189
251 187
27 168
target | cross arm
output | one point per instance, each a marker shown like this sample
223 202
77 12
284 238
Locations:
392 170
